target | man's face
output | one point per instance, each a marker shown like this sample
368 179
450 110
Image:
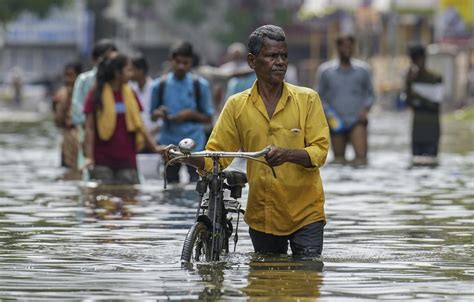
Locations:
181 65
69 76
345 49
271 62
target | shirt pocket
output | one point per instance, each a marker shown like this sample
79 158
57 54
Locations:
292 138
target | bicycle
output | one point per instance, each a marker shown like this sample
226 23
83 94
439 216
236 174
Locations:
209 236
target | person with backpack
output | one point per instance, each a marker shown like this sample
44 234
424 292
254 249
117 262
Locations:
183 101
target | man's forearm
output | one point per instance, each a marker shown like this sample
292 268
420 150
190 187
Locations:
299 157
149 141
201 118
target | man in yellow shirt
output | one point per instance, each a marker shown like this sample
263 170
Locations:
289 119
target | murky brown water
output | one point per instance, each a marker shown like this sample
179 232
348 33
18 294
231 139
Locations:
393 233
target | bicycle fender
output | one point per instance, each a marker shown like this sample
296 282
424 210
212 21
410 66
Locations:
204 219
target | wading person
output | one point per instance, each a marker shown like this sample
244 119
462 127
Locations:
345 87
114 128
289 119
424 93
183 101
84 83
63 116
141 83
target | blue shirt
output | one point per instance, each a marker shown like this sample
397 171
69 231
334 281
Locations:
83 84
346 91
178 96
239 84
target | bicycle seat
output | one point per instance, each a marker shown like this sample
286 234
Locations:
235 178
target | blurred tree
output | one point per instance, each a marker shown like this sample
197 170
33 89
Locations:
243 16
192 11
11 9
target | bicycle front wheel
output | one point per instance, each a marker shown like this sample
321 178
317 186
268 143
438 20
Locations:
197 245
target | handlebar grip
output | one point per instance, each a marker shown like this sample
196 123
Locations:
266 150
175 153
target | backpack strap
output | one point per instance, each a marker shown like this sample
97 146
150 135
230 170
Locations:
197 92
161 89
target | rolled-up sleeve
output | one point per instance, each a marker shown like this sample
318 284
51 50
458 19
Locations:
316 132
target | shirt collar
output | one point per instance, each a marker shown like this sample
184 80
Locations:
338 63
187 76
286 94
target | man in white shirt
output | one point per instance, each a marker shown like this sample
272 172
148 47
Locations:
141 83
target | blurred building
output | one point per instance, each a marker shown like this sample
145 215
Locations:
384 29
40 47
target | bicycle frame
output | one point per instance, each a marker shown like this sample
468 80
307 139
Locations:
216 218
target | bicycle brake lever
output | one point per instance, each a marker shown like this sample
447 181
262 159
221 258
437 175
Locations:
166 167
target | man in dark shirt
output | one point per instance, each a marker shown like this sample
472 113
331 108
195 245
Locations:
424 93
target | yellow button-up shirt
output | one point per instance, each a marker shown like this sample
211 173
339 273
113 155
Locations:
281 205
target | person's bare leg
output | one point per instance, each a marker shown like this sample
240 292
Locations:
338 142
358 139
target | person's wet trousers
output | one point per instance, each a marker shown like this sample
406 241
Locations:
306 242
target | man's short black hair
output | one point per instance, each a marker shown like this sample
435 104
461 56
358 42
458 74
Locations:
76 66
272 32
101 47
345 37
140 62
182 48
416 51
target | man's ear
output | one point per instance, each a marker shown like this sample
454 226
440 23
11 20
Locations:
251 60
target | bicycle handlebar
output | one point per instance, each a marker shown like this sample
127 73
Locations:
215 155
220 154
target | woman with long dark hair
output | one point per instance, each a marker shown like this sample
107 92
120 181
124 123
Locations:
114 127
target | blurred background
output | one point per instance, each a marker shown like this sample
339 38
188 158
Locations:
38 37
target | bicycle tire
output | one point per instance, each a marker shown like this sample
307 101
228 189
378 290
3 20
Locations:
197 244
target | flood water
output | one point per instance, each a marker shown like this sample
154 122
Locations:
393 233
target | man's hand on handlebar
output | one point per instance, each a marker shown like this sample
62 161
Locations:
166 151
277 155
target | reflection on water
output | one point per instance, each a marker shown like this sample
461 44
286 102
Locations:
393 233
284 278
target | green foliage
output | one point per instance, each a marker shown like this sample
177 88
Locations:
238 28
244 16
192 11
283 16
11 9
